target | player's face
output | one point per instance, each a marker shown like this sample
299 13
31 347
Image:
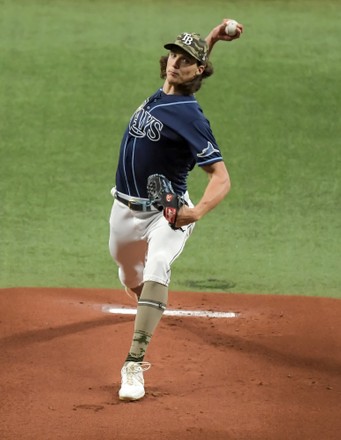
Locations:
181 68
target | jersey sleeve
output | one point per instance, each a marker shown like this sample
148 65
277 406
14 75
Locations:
202 142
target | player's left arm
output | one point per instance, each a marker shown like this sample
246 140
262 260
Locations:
218 34
217 188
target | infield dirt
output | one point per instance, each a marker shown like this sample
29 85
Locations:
272 373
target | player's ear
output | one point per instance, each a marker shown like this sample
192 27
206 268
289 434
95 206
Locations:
200 69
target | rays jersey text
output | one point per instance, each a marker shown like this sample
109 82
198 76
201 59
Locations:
144 124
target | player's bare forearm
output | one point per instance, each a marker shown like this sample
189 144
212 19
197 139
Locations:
218 34
217 188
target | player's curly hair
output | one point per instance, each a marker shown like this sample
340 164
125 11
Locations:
191 86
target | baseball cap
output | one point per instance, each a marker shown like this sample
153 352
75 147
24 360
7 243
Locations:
193 44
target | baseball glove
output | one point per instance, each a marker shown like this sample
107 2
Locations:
162 197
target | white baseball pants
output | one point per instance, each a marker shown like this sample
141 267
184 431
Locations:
143 245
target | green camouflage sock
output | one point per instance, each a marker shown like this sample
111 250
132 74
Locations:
151 305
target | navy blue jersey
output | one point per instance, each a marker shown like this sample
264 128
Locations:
168 134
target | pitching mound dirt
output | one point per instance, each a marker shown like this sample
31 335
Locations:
271 373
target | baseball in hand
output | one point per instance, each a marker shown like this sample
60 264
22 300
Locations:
231 28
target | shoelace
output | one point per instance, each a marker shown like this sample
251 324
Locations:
134 369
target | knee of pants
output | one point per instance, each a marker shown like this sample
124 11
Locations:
158 268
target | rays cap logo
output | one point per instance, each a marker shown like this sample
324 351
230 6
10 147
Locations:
193 44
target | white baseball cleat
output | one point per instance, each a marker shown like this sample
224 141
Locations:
132 383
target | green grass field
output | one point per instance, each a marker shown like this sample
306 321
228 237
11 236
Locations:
72 72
